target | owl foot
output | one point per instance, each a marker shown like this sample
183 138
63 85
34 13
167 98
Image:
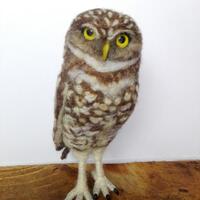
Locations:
102 184
80 192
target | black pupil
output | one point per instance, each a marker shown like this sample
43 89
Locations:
89 32
121 39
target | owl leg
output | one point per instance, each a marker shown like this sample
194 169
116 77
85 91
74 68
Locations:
81 190
102 184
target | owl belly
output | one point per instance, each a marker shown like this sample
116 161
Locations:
93 115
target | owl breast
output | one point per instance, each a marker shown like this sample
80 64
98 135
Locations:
94 111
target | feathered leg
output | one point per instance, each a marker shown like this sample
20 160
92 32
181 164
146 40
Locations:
102 184
81 189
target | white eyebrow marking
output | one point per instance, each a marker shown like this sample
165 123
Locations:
107 21
110 32
110 37
93 28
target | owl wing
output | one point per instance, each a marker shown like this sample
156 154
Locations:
62 80
58 109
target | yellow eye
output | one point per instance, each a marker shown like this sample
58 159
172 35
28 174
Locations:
122 40
88 33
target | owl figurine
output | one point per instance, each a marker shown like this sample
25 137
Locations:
97 90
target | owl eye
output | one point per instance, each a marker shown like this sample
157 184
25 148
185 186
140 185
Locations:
122 40
88 33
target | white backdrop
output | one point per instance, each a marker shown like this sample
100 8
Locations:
166 121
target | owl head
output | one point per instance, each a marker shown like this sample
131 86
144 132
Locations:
105 36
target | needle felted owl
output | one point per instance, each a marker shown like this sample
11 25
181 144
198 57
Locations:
96 91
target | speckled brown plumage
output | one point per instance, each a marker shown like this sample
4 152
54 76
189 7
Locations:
105 78
97 88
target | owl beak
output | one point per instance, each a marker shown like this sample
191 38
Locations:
105 50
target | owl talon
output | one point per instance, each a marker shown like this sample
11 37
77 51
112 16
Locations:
116 191
102 184
95 196
79 193
108 197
